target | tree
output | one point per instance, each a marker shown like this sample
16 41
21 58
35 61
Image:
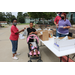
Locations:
43 15
8 16
12 17
20 17
2 16
25 14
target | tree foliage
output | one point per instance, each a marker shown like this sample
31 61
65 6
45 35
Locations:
46 15
25 14
42 15
20 17
2 16
6 16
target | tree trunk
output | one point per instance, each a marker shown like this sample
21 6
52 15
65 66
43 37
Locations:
39 19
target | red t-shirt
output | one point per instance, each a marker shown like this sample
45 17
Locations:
14 36
57 18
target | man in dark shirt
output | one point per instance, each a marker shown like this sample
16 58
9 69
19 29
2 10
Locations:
31 30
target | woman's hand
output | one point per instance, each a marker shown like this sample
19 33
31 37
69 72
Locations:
57 25
24 28
64 27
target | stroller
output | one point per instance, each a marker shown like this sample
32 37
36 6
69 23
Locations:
34 43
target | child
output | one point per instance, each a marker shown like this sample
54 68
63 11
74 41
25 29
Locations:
32 50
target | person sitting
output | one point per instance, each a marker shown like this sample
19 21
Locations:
32 48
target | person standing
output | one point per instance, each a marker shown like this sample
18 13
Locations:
14 38
56 20
63 26
31 30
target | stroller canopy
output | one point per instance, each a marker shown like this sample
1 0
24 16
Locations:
32 36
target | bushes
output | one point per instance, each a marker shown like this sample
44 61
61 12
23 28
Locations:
33 26
39 22
21 19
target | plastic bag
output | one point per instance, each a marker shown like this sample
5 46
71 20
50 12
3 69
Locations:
21 36
65 38
25 32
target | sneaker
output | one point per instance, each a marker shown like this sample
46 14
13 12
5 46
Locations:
15 58
17 54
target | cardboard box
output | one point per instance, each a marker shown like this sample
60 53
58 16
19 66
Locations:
43 35
37 26
39 31
50 32
61 45
54 31
72 28
73 35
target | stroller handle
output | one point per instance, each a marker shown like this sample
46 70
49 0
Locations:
32 35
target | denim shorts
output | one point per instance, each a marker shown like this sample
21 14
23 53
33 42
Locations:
14 46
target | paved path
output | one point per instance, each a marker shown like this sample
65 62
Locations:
6 48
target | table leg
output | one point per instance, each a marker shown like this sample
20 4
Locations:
68 58
40 43
60 59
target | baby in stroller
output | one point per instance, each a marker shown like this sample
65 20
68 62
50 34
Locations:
33 49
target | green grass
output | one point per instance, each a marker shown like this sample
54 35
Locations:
23 24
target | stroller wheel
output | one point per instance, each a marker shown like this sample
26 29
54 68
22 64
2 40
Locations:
29 61
39 60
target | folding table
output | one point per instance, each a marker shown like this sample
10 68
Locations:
50 45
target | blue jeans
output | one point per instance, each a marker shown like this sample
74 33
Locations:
61 35
14 46
57 32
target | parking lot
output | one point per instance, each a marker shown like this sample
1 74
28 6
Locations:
6 48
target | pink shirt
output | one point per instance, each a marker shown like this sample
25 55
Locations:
14 36
57 18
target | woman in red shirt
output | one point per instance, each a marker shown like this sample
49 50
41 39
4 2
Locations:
14 38
56 20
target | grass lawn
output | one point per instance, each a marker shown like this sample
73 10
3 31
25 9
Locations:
23 24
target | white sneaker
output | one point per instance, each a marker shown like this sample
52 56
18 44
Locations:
17 54
15 58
